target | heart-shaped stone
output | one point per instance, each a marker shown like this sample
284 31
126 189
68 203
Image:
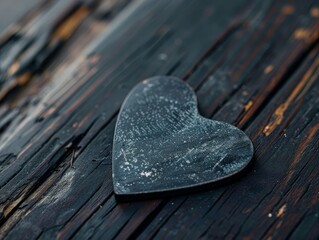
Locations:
162 144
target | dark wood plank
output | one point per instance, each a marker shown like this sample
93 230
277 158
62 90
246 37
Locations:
255 65
278 201
27 49
13 10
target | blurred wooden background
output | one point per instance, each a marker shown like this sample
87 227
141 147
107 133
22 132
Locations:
67 65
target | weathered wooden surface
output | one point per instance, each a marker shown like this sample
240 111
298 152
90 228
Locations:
252 63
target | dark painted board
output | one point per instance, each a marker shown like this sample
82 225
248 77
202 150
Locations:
253 64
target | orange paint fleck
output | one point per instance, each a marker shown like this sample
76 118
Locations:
268 69
248 105
288 9
67 27
301 34
282 210
24 78
314 12
13 68
49 112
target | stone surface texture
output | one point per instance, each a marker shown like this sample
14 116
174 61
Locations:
162 144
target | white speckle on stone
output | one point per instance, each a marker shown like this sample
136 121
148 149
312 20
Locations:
146 174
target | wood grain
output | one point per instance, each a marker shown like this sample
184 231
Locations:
252 64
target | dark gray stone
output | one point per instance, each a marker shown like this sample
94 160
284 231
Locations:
162 144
